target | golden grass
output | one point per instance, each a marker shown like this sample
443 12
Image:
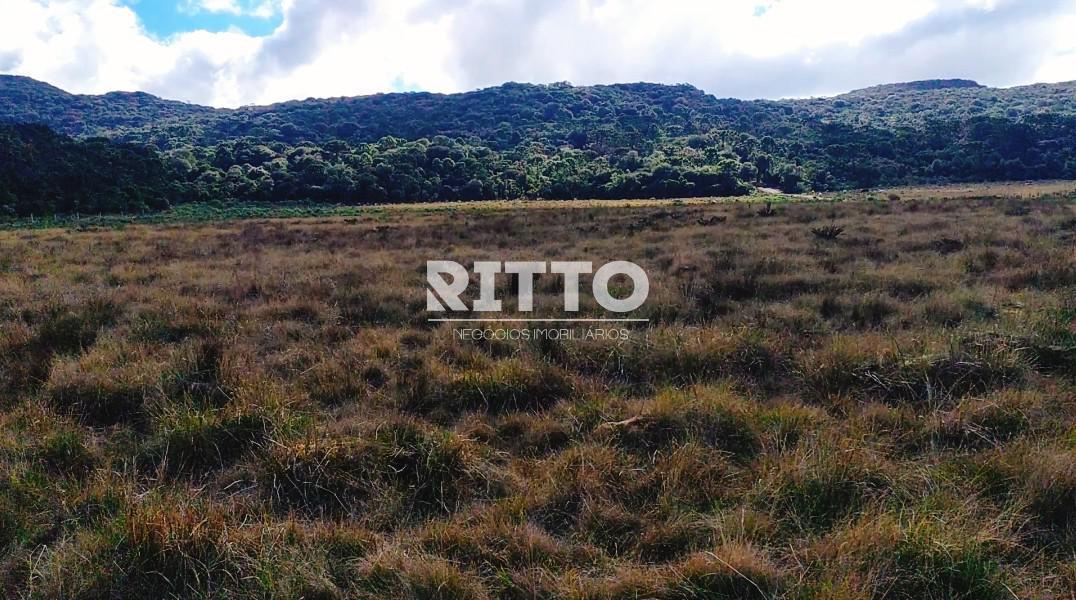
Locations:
260 408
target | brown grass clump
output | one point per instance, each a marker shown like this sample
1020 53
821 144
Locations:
729 571
1040 482
713 416
817 486
914 557
990 421
164 547
677 356
521 434
493 542
501 387
917 375
107 385
399 468
63 328
1050 490
421 578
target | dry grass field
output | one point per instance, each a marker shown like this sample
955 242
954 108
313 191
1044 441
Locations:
261 409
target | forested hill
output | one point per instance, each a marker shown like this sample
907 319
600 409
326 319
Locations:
25 100
508 114
561 141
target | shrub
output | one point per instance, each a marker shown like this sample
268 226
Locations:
828 232
767 211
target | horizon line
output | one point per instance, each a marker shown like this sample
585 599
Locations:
495 320
717 95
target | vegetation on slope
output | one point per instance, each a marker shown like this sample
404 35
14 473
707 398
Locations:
26 100
559 141
42 172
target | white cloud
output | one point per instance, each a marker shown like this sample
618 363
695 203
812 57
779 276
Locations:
1060 64
227 6
255 8
88 46
795 47
744 48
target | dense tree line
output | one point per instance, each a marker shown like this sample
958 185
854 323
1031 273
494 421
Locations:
520 141
42 172
444 169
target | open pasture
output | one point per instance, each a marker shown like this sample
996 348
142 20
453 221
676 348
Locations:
830 400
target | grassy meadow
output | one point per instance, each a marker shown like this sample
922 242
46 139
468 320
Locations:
869 396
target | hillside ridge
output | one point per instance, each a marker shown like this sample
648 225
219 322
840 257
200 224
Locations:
517 140
9 83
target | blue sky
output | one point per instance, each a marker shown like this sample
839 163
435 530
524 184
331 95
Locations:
237 52
164 18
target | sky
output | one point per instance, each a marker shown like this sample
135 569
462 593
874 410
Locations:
235 52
